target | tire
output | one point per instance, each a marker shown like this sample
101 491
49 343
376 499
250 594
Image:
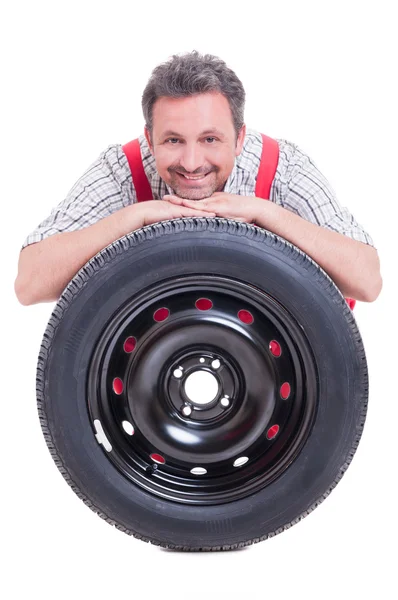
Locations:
299 439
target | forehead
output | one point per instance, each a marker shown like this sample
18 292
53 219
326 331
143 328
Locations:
202 112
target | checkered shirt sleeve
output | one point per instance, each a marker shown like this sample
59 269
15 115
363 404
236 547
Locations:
103 189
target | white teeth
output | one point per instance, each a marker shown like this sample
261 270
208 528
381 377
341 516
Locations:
195 178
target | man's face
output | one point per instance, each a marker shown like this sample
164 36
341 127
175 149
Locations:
194 136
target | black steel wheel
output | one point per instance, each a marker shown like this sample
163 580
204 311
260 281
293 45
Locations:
202 384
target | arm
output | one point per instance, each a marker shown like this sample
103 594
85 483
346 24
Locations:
306 211
353 266
46 267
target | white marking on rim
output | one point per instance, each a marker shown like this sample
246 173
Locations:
128 428
187 410
225 401
241 461
100 435
198 471
216 364
177 373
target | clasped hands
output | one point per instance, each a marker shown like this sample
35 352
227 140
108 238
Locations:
229 206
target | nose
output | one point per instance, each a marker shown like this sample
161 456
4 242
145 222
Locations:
191 158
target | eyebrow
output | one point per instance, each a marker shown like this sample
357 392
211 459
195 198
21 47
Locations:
213 130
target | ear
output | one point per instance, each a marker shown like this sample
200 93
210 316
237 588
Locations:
240 141
148 138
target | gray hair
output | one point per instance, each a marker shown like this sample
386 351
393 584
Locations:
190 74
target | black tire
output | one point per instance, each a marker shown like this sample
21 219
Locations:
298 287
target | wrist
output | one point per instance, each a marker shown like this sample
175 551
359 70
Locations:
260 211
128 219
268 215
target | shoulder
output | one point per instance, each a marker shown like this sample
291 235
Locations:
107 176
289 153
292 154
113 163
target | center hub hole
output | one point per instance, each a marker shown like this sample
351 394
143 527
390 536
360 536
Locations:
201 387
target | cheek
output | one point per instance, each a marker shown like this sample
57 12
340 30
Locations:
163 161
225 162
221 160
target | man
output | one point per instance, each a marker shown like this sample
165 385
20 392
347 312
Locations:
200 161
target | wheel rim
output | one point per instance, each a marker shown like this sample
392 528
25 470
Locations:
142 381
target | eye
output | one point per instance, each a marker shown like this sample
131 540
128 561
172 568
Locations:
211 138
170 139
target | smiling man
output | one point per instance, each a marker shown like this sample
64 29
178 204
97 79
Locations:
193 159
198 159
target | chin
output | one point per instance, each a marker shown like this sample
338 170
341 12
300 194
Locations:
195 196
193 193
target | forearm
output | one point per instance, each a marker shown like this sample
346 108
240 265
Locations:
45 268
353 266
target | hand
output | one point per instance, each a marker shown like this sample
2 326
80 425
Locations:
159 210
229 206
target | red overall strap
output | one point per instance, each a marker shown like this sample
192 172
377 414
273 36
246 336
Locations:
141 184
267 168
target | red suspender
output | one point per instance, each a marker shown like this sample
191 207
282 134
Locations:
267 168
265 175
141 184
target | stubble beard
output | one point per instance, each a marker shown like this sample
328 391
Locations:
198 193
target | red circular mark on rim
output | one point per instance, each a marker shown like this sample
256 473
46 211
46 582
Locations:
272 431
157 458
275 348
285 390
117 385
129 344
204 304
246 317
161 314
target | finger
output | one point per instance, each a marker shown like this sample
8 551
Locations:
179 201
199 204
173 199
196 204
198 213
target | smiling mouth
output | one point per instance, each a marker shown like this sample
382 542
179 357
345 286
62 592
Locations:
193 178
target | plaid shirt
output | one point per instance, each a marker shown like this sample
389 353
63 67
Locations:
107 186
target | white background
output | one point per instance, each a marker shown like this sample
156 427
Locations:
320 74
